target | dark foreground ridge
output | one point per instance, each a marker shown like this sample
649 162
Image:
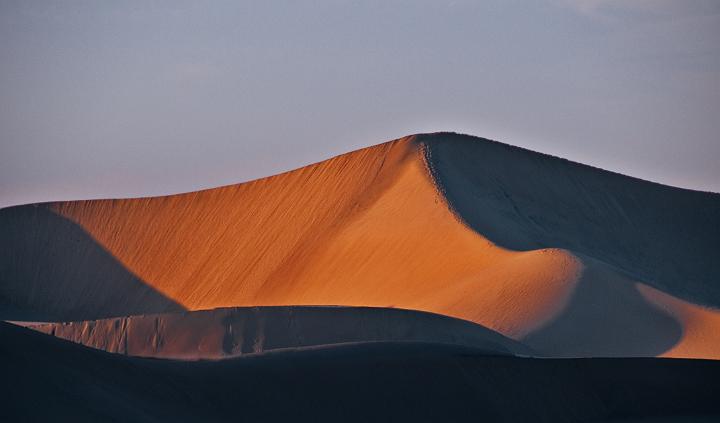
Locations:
46 377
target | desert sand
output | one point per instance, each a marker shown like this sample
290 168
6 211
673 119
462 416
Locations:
571 260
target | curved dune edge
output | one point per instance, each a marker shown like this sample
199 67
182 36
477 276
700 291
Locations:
610 314
231 332
701 325
368 228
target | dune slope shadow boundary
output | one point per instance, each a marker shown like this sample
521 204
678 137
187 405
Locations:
51 269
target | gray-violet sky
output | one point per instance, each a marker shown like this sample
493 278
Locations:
117 99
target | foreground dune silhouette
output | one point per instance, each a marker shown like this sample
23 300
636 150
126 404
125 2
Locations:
519 242
48 378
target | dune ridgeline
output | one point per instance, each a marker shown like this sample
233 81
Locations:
552 258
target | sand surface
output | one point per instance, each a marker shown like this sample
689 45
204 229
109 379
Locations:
558 255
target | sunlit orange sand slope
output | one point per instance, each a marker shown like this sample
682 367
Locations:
570 259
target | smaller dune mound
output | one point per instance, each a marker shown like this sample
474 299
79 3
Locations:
228 332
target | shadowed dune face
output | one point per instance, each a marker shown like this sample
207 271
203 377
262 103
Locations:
52 269
441 223
222 333
667 237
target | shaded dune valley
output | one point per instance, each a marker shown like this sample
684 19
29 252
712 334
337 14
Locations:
437 277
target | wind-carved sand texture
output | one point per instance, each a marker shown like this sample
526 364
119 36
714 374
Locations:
558 255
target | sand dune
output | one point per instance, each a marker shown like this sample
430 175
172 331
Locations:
519 242
362 382
229 332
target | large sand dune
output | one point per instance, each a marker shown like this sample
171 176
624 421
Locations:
554 253
48 379
229 332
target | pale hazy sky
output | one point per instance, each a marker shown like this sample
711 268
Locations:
114 99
